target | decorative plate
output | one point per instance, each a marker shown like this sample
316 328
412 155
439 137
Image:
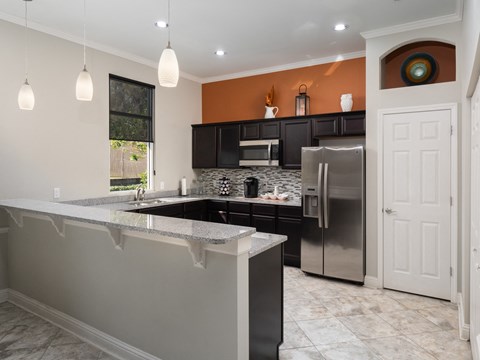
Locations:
418 69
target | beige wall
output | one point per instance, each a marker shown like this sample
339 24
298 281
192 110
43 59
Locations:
377 99
64 142
149 295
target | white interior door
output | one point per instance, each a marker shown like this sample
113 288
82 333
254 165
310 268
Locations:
475 225
416 185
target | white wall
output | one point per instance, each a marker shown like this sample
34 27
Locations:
64 142
376 49
470 70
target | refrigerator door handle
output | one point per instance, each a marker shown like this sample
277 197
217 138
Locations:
325 198
320 213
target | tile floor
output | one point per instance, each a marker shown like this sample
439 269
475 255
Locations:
27 337
324 319
334 320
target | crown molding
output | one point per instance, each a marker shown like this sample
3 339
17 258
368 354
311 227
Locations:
295 65
415 25
92 45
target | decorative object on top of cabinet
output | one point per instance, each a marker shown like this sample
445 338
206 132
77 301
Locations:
270 112
418 69
224 184
346 102
269 98
302 102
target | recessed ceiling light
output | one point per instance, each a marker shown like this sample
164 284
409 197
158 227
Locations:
340 27
220 52
161 24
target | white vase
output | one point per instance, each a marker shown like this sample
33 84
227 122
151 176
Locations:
346 102
270 112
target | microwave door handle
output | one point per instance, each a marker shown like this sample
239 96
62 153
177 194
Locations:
325 196
269 151
319 195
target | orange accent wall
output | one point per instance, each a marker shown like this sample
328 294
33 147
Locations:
244 98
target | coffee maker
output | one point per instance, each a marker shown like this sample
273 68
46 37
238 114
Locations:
250 187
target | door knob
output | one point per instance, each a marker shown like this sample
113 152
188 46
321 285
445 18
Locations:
477 267
390 211
474 250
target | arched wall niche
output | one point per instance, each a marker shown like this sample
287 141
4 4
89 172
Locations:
442 52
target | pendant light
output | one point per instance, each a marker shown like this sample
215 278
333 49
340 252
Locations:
26 98
168 65
84 88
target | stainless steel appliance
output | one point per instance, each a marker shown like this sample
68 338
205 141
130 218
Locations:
333 231
250 187
260 153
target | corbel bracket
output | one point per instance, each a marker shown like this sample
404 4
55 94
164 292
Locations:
197 250
58 224
117 237
16 215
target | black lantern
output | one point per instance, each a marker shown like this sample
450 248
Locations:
302 102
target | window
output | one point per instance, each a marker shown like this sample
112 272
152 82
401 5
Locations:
131 134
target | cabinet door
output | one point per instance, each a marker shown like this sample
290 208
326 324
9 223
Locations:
264 223
353 124
293 229
228 145
204 147
239 219
218 216
326 126
270 130
250 131
295 135
175 210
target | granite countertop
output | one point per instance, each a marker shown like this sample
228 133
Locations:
262 242
204 232
127 206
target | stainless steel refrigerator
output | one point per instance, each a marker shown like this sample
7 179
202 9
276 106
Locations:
333 231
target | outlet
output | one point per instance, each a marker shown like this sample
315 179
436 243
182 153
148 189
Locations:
56 193
162 185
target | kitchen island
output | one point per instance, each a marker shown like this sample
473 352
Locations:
147 287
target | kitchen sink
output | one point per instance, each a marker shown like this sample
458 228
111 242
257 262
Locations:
138 203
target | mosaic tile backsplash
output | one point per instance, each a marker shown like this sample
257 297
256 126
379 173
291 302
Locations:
288 181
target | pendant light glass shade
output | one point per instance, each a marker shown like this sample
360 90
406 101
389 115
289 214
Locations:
84 88
26 98
168 71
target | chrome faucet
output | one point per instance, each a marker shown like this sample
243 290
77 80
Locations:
140 195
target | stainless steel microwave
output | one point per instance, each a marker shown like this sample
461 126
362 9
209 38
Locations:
260 153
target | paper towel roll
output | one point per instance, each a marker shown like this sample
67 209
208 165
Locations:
184 186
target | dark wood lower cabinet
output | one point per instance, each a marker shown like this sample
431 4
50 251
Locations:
292 228
239 219
264 223
218 216
266 303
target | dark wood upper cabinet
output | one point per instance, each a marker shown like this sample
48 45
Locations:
260 130
353 124
228 141
295 135
270 130
250 131
325 126
204 147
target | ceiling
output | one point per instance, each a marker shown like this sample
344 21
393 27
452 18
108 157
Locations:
258 35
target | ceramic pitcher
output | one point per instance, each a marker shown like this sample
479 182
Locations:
270 112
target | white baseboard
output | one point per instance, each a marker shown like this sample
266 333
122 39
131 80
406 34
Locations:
463 328
371 282
3 295
97 338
